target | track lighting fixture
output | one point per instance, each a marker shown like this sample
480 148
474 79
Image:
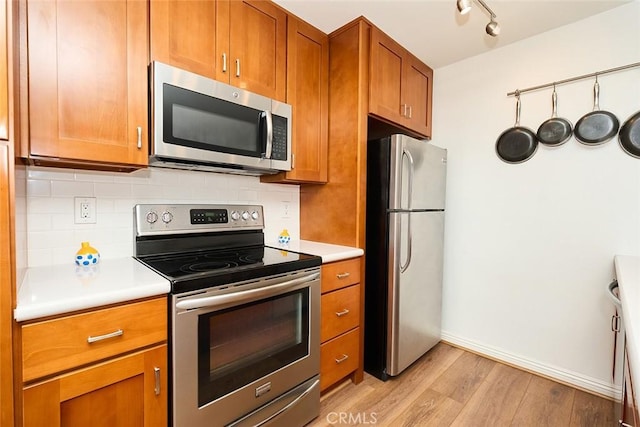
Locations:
464 6
492 28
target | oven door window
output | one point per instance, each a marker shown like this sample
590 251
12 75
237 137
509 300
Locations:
242 344
196 120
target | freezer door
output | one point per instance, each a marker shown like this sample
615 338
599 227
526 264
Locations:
418 174
414 288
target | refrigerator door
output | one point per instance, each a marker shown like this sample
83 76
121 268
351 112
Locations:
415 290
417 175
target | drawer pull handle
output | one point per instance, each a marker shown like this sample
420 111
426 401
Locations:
117 333
156 373
342 359
224 62
342 313
139 131
343 275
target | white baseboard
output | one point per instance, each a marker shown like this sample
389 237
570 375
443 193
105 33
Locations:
561 375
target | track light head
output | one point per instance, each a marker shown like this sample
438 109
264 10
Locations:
464 6
493 29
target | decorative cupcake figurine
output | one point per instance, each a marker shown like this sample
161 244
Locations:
284 237
87 255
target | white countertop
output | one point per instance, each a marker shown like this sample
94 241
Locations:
628 276
328 252
59 289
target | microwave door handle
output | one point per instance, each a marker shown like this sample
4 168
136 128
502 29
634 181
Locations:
269 142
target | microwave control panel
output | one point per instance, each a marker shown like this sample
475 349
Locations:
279 150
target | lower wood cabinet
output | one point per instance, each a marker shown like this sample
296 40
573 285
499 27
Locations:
126 391
104 367
340 332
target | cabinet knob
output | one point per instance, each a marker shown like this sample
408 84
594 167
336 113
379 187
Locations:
343 275
238 67
224 62
342 313
139 129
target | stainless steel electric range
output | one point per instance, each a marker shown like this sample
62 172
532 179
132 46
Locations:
244 317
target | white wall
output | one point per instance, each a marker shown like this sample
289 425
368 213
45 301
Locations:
54 238
529 247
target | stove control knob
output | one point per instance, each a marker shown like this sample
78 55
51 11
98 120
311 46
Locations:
152 217
167 217
255 215
245 216
235 215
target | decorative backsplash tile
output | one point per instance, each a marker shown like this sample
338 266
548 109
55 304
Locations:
53 237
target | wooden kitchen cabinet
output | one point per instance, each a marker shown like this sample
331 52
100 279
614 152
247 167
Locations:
103 367
242 43
87 83
400 88
308 94
340 332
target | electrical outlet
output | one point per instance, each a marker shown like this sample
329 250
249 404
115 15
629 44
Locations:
85 210
285 209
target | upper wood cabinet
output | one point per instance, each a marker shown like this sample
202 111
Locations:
400 89
4 74
308 94
87 78
242 43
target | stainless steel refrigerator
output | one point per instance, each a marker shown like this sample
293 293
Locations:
404 252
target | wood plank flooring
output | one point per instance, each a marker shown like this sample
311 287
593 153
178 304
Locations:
452 387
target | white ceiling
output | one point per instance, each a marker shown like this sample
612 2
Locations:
435 32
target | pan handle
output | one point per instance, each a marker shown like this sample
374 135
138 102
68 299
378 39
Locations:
596 95
517 109
554 103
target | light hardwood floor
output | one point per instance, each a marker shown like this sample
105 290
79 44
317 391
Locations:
452 387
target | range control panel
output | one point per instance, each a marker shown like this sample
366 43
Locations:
178 218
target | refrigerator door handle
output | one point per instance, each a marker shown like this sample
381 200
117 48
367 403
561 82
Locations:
403 267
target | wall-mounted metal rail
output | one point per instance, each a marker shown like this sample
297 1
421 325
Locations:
573 79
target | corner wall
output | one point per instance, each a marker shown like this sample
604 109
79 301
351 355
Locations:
529 247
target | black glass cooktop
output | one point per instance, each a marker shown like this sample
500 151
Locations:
202 269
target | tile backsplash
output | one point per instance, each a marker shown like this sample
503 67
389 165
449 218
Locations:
53 237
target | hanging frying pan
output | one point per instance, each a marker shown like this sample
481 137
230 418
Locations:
598 126
517 144
556 130
629 136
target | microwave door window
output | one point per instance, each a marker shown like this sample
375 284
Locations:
199 121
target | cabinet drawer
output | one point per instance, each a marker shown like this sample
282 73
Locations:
339 357
336 275
340 312
59 344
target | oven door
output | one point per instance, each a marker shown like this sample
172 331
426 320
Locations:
203 122
237 349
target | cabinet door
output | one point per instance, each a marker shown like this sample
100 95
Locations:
257 46
4 74
183 34
128 391
418 96
386 85
88 80
308 94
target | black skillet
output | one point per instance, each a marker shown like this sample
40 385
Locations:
629 136
517 144
556 130
598 126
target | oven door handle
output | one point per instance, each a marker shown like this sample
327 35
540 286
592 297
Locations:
236 297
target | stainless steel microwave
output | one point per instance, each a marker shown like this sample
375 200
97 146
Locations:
202 124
